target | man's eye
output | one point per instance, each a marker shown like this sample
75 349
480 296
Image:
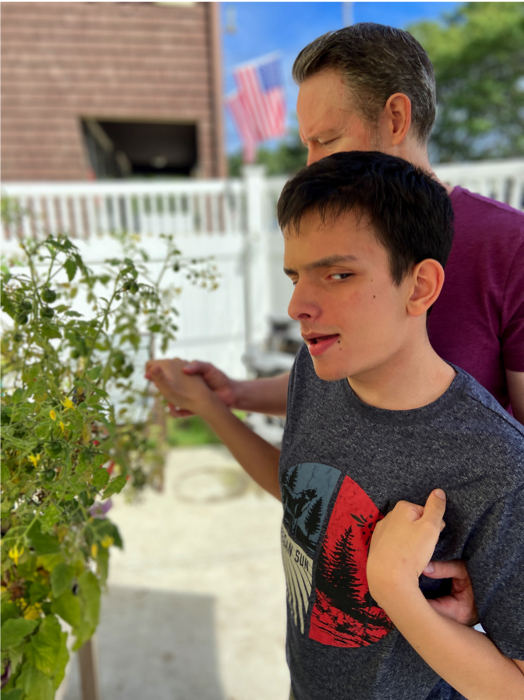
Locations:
341 275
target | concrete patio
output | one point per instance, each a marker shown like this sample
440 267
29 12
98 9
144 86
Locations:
195 607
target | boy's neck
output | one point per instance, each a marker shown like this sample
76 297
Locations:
412 379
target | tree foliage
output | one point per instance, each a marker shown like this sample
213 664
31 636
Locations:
286 159
478 56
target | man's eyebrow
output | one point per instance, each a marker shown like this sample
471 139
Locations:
328 261
318 135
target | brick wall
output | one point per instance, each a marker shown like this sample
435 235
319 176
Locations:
128 61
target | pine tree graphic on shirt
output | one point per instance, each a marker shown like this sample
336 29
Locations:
344 613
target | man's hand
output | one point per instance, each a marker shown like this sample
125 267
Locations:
216 380
190 394
459 605
402 546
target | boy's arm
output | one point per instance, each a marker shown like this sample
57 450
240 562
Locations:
267 395
401 546
258 457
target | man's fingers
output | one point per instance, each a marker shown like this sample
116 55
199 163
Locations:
446 569
197 367
177 412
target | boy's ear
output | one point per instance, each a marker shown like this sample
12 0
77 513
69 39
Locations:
426 282
395 120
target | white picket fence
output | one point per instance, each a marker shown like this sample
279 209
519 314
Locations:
233 220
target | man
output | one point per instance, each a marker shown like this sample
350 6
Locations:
371 87
375 418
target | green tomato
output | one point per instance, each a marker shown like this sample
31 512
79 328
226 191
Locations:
22 318
49 474
119 360
75 354
127 371
47 312
133 287
48 295
53 449
6 415
26 305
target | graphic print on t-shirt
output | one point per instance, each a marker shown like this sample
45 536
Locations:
306 491
344 613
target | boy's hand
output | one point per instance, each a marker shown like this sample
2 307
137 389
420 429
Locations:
216 380
402 546
188 394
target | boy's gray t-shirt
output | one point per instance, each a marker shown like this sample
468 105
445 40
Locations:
343 465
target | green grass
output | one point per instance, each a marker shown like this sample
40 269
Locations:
185 432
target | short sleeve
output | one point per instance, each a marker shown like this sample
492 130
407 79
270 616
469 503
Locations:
512 318
494 556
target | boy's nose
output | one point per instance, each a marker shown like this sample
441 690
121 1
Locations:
300 308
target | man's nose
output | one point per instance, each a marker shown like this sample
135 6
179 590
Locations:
313 155
314 152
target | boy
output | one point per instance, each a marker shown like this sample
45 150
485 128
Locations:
377 418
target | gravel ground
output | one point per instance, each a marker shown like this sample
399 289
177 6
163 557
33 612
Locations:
195 607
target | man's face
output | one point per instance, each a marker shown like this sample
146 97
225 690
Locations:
352 316
327 122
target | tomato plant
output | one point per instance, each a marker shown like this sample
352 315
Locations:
72 437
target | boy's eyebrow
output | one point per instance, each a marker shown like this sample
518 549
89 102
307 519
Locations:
328 261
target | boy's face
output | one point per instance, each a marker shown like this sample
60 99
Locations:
352 316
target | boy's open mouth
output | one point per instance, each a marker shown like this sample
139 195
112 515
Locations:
320 338
318 344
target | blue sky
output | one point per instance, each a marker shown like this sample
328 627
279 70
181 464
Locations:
286 27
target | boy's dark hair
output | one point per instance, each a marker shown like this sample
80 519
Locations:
409 211
376 61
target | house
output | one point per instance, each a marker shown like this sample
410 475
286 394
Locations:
96 90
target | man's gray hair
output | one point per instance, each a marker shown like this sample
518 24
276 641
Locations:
375 62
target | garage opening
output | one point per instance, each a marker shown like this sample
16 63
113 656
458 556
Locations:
140 149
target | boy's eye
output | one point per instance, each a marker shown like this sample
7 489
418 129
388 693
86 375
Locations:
341 275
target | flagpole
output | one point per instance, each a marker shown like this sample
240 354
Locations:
347 14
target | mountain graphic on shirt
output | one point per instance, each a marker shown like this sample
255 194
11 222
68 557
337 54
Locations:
306 491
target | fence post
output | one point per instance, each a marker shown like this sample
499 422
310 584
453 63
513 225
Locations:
256 256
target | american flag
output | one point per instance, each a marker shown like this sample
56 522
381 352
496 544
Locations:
258 107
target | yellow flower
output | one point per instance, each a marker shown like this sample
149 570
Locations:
33 612
52 415
62 426
16 553
107 541
34 460
68 404
94 550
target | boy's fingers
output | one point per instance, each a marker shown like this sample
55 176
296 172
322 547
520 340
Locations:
436 507
159 377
